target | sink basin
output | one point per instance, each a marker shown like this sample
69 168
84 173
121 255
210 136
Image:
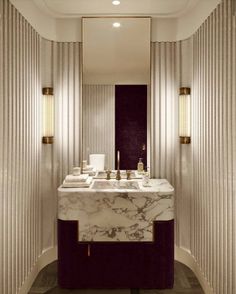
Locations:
103 175
123 185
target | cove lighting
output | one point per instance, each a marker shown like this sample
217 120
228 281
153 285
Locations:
116 24
116 2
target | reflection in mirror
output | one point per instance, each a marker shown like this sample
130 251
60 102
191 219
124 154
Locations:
116 77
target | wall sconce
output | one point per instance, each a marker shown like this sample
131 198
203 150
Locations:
184 115
48 116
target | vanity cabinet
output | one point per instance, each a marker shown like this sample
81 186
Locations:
116 264
116 236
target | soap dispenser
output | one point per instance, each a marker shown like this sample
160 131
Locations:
140 166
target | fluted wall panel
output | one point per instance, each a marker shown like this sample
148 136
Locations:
213 222
20 209
164 102
68 119
171 69
99 122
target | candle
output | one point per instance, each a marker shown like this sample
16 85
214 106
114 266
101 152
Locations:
118 159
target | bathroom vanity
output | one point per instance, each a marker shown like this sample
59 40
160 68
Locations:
116 234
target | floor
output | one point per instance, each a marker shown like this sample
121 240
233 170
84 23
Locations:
185 283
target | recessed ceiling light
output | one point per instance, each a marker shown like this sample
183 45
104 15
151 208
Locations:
116 2
116 24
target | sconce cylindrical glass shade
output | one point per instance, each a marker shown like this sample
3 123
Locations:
48 116
184 115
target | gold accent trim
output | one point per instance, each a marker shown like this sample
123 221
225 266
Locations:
185 140
47 140
47 91
184 91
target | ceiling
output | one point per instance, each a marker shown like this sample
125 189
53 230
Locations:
155 8
60 20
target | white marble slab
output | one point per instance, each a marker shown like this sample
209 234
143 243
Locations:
117 214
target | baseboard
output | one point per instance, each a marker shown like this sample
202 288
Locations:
186 258
47 257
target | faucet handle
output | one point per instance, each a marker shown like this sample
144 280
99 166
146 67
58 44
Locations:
108 172
128 174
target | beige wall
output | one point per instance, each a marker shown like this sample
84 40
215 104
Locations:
203 173
213 197
20 149
99 122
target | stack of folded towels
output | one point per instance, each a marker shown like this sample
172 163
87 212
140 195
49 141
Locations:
80 181
90 170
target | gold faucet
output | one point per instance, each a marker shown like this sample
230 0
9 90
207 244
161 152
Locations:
108 172
81 167
118 177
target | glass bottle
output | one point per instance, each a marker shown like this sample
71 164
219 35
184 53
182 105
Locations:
140 166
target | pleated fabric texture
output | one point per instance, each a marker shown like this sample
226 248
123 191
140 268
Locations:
68 118
213 202
20 149
99 122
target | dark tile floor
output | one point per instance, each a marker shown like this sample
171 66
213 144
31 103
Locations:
185 283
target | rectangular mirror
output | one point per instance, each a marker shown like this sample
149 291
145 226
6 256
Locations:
116 82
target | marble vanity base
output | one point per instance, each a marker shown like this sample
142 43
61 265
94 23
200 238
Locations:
116 264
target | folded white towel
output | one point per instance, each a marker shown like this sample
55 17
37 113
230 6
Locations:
81 178
91 172
88 167
85 184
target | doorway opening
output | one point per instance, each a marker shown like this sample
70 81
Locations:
131 125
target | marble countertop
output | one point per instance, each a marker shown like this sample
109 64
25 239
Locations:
162 186
117 214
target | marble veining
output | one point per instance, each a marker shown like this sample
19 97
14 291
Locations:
117 214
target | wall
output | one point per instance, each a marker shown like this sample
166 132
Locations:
60 64
171 68
213 197
68 118
20 149
99 122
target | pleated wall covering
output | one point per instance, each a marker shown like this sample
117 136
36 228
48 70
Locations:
169 159
20 147
99 122
213 204
67 81
164 103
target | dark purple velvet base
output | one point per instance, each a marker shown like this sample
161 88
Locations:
118 264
